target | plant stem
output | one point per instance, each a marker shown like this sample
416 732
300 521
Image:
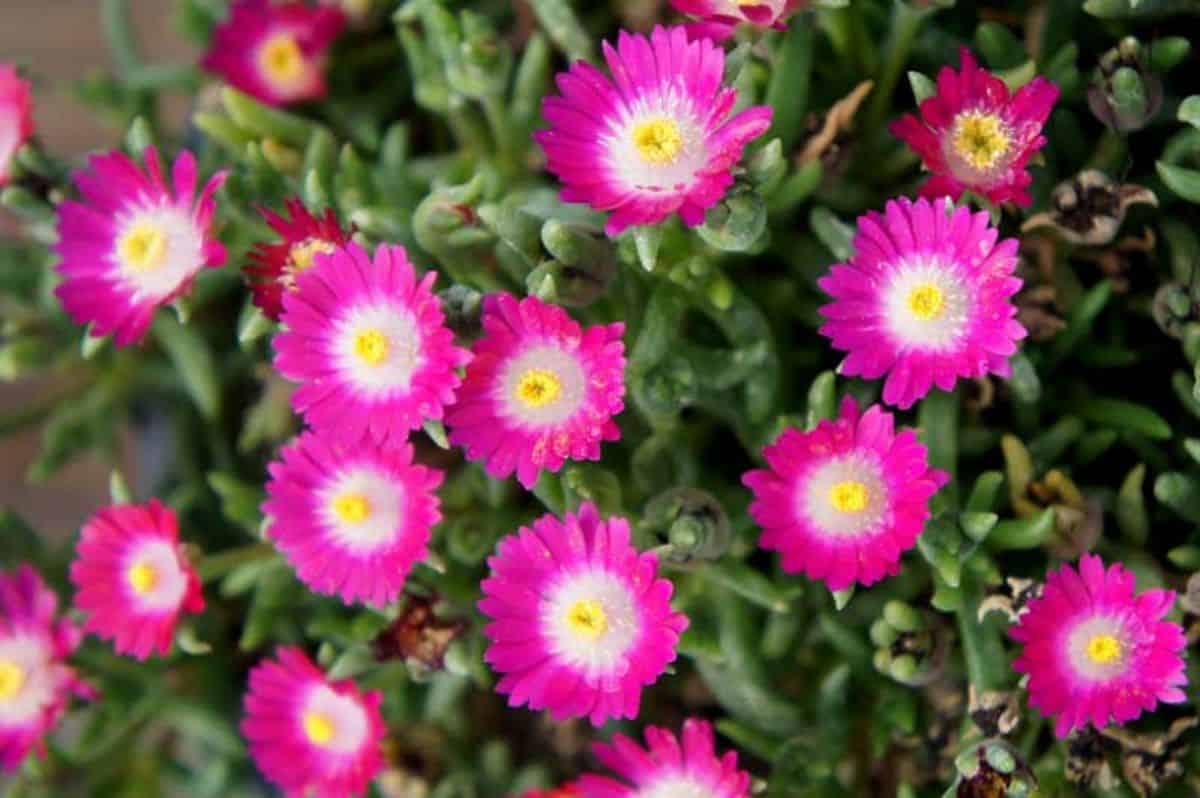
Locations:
214 566
906 24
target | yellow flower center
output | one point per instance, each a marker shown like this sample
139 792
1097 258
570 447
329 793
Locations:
539 387
318 728
353 508
849 496
980 140
1104 649
371 346
658 141
587 618
301 256
143 248
12 678
926 302
281 58
142 577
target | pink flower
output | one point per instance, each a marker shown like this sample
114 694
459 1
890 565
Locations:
539 390
132 579
655 139
717 19
35 681
1097 653
351 518
580 621
925 299
667 767
273 266
275 52
368 343
842 503
974 137
134 243
310 736
16 117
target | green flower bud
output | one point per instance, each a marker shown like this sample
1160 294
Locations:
694 523
1125 93
736 223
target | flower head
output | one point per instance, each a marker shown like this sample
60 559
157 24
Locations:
668 767
132 579
925 299
273 267
1095 651
718 18
351 518
973 136
842 502
16 117
654 139
35 681
367 341
580 621
539 390
134 242
308 735
275 52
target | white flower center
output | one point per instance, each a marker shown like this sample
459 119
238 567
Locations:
927 305
542 386
845 496
657 143
156 250
675 787
591 620
378 348
333 722
362 509
1097 648
27 679
155 576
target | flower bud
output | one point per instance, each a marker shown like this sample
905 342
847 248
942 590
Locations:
736 223
1125 94
693 521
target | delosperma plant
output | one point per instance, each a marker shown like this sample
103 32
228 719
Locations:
639 399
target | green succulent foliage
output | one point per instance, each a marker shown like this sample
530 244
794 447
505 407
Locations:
425 141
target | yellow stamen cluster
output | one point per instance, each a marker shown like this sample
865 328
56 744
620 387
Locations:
281 59
12 679
926 302
142 577
371 346
1104 649
143 248
318 728
980 139
849 496
538 388
658 141
353 508
587 618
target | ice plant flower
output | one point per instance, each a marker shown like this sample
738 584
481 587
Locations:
132 579
134 242
580 621
1095 651
351 518
275 52
668 767
367 341
925 299
16 117
974 136
308 735
36 683
273 266
842 502
539 389
716 19
655 139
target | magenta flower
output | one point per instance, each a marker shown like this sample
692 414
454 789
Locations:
16 117
36 683
134 243
580 621
351 518
925 299
973 136
367 341
1097 653
655 139
667 767
539 390
842 502
308 735
717 19
274 51
132 579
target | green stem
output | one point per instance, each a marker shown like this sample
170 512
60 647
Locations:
215 566
501 127
906 24
787 93
982 651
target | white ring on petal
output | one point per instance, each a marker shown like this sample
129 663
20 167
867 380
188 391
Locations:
35 659
627 163
1077 642
676 786
604 652
182 258
385 500
170 581
344 714
938 333
813 495
404 351
564 365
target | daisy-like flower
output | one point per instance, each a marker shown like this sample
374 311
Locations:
275 52
974 136
717 19
16 117
273 266
925 299
580 621
368 343
351 518
134 242
35 682
842 502
132 579
539 389
655 139
310 736
1095 651
667 767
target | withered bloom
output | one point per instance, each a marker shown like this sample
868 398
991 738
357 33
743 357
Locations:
418 636
1089 208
